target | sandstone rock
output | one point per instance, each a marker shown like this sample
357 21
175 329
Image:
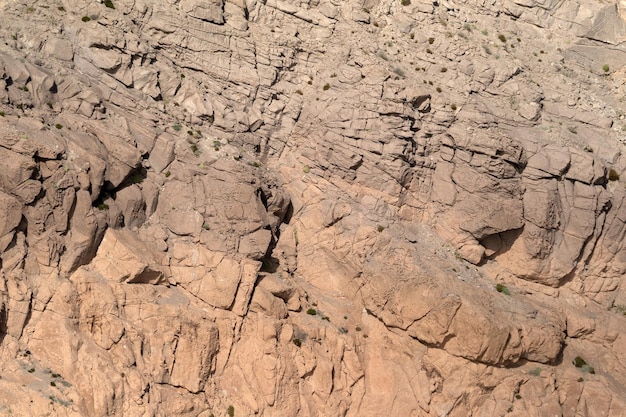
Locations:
279 169
122 257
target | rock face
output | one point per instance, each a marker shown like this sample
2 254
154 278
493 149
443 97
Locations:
402 208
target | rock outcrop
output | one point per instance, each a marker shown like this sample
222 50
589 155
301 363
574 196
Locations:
325 208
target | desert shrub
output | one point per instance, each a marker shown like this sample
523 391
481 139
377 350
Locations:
311 312
109 4
58 126
86 19
297 341
405 2
613 175
502 38
503 289
431 40
326 87
605 68
231 411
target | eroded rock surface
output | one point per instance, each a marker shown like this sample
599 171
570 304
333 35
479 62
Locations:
325 208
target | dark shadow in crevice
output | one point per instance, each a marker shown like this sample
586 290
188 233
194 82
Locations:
500 243
3 323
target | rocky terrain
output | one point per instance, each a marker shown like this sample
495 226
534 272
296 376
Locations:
312 208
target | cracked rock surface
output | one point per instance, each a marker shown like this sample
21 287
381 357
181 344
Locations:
312 208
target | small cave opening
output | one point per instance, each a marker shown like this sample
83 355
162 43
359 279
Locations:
499 243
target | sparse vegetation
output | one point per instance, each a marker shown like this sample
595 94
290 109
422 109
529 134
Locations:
588 149
58 126
444 69
311 312
61 8
605 68
326 87
613 175
503 289
579 362
109 4
620 308
194 148
484 32
167 174
380 228
357 328
177 127
535 372
299 92
502 38
431 40
231 411
306 169
1 114
453 106
518 397
86 18
438 89
297 341
572 129
405 2
103 206
206 226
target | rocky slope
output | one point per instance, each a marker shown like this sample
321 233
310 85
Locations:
326 208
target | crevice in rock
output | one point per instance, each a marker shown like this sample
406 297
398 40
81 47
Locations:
3 323
29 315
500 243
